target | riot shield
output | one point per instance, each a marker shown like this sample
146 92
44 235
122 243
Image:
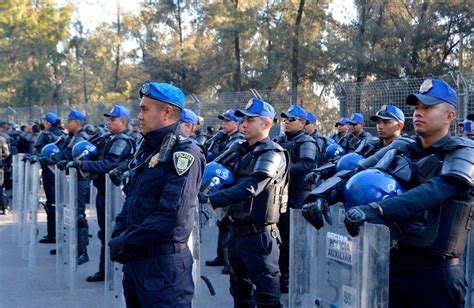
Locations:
25 215
66 227
114 199
32 184
469 270
193 244
329 268
17 197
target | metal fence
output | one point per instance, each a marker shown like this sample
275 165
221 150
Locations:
368 97
327 103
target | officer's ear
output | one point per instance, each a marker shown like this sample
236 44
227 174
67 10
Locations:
401 125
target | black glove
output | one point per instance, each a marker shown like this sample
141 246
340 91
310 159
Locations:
116 176
73 164
312 177
203 198
26 158
357 215
117 252
33 159
62 164
315 213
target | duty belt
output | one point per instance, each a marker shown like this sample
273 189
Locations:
162 249
246 229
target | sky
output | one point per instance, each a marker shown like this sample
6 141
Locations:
92 12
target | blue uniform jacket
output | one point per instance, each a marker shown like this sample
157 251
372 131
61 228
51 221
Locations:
161 197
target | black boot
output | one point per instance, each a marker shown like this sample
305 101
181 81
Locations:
99 276
48 240
82 258
216 262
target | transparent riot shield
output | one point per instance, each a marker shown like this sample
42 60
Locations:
25 215
33 183
17 207
193 244
469 270
329 268
66 227
114 199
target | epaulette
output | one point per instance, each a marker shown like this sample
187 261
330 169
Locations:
182 139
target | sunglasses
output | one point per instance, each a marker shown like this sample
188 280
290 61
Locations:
290 119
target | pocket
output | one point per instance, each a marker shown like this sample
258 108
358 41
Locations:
266 242
456 284
159 274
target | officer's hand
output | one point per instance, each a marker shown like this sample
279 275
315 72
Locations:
316 212
116 176
203 198
312 177
73 164
33 159
357 215
62 164
25 158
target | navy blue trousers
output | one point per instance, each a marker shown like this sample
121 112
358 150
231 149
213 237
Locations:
160 281
254 262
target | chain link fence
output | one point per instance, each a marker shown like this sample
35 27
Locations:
328 103
368 97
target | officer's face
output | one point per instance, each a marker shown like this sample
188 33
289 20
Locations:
116 125
292 125
153 115
186 128
309 128
356 129
255 128
433 120
388 129
229 126
72 126
342 129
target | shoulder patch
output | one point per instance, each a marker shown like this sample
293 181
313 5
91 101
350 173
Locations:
182 162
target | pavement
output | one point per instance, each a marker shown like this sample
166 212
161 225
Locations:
22 286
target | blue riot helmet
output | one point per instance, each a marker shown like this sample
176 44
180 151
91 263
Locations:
83 150
368 186
49 149
349 162
330 140
215 176
334 151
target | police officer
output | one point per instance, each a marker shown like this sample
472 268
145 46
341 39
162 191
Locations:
302 150
135 131
433 217
152 230
118 147
50 134
4 154
199 135
256 201
342 128
230 128
75 123
188 121
321 143
351 141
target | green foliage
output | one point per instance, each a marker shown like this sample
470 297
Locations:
207 47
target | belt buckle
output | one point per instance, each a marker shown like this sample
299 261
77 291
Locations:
274 233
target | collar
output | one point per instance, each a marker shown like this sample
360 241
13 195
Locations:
291 136
438 144
156 137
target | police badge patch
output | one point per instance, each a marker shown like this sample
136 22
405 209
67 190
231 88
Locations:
426 86
182 162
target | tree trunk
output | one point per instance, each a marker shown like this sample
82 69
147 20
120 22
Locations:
117 53
237 80
294 56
